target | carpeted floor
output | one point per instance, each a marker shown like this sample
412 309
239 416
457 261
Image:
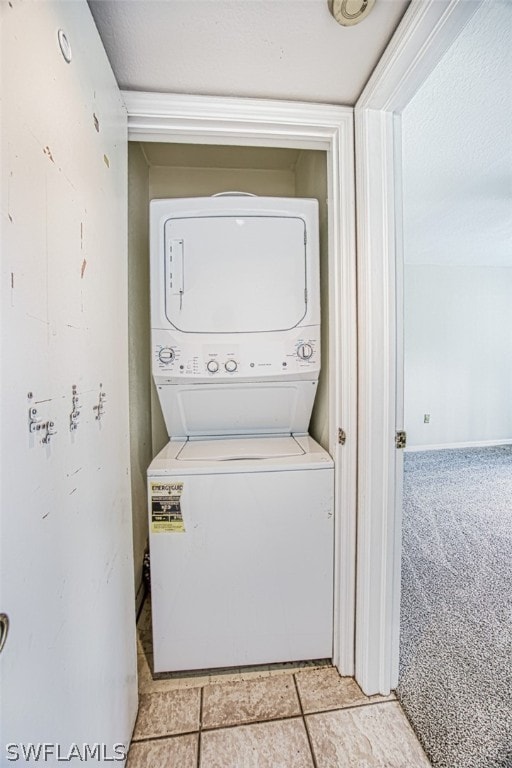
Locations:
456 622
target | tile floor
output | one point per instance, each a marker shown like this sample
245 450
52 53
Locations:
279 716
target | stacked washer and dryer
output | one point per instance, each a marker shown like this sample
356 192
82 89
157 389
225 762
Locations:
241 498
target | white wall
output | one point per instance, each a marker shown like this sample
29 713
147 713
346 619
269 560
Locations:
192 182
311 181
457 162
139 346
68 669
458 357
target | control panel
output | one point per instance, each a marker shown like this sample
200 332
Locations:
293 353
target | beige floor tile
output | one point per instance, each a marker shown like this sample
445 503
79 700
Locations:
195 678
281 744
167 713
227 675
177 752
148 684
144 642
290 667
254 673
144 629
376 736
144 622
250 700
143 671
323 689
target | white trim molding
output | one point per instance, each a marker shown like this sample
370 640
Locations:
254 122
377 364
426 32
224 120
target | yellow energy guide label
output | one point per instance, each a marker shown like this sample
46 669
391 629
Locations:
166 514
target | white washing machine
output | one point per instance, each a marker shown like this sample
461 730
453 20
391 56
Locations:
241 499
247 576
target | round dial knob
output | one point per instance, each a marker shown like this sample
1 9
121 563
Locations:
305 351
212 366
231 366
166 355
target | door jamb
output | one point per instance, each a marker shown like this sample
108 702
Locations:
254 122
427 30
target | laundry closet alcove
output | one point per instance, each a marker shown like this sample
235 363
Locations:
199 146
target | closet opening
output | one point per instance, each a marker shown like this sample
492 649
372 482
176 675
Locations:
177 170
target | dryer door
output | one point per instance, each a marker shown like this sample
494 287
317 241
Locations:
235 274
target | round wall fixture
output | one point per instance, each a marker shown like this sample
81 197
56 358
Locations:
349 12
64 45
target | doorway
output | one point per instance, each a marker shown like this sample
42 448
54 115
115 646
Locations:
316 143
427 31
456 629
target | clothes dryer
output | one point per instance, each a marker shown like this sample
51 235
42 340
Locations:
235 314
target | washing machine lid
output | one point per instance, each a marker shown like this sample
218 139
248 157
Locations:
240 448
235 273
166 464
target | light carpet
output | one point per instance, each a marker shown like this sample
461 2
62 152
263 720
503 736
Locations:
456 611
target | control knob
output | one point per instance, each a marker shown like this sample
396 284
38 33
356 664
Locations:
231 366
166 355
305 351
212 366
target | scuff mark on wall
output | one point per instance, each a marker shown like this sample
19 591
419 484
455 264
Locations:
111 568
8 206
44 516
82 270
40 319
106 161
59 630
72 492
96 122
77 327
81 235
47 151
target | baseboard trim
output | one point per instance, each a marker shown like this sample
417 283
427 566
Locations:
472 444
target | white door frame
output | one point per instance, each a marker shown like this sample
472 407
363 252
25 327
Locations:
254 122
426 32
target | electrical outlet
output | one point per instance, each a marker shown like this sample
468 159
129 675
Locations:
426 418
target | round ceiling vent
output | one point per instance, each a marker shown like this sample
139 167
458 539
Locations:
349 12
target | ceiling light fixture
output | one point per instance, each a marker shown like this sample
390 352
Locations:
350 12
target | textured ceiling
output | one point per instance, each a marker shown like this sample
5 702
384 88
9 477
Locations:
457 150
281 49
